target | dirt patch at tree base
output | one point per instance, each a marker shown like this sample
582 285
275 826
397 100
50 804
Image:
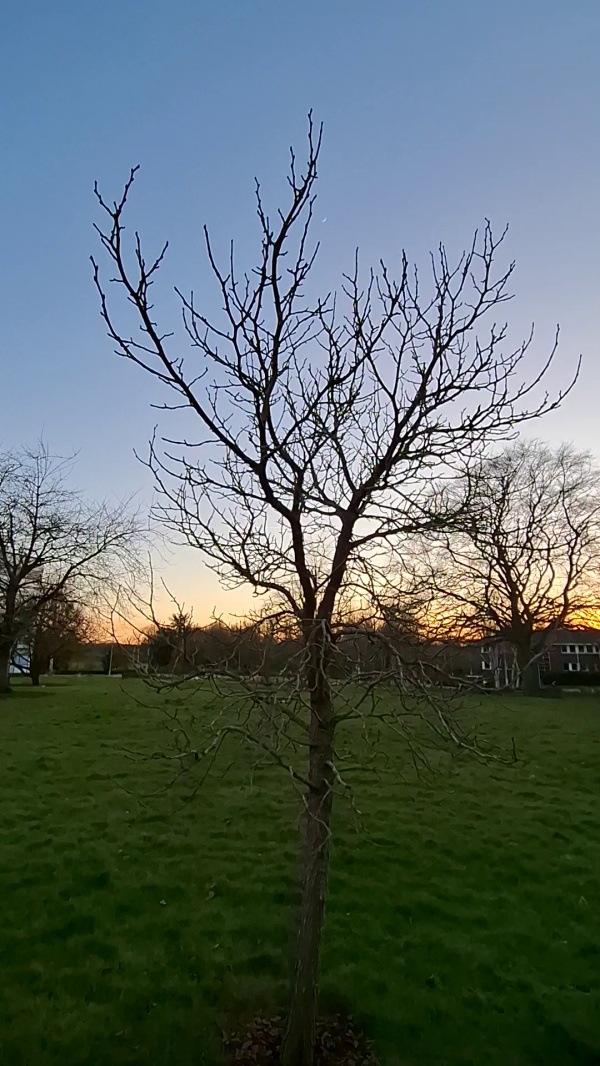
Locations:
338 1044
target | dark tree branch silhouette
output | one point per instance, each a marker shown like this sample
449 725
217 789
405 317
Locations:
523 559
51 541
322 434
59 626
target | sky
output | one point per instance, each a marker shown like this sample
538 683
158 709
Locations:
437 115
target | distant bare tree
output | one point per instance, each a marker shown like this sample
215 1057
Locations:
320 435
52 540
58 627
524 558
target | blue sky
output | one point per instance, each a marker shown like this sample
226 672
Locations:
436 115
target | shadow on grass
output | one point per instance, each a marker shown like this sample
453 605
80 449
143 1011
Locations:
26 692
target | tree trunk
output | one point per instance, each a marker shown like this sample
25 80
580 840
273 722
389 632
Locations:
299 1038
529 672
4 669
38 665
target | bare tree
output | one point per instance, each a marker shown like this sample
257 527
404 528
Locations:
524 558
52 540
59 625
320 435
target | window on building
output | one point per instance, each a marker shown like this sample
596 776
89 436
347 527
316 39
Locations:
579 649
571 667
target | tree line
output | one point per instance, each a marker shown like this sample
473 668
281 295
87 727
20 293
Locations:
521 561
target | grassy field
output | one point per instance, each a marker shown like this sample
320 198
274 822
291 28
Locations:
464 919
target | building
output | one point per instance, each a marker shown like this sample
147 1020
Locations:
568 654
572 651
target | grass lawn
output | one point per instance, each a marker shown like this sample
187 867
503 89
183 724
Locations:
464 917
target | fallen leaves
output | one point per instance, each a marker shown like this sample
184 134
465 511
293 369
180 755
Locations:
258 1043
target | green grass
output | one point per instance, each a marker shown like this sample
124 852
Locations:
464 915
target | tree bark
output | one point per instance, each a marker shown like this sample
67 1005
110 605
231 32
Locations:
529 672
299 1037
38 664
5 651
7 635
